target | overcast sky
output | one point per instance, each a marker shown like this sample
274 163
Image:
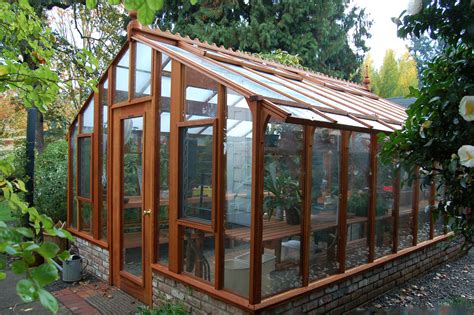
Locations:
384 31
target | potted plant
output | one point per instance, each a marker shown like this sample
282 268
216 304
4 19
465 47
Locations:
285 194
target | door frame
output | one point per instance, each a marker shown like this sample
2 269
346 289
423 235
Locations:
124 281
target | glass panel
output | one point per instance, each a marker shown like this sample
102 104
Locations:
87 118
132 206
122 78
222 72
103 156
84 147
302 113
196 173
73 144
238 185
86 216
438 214
324 242
424 209
198 254
163 220
357 249
405 225
201 95
384 220
142 70
282 208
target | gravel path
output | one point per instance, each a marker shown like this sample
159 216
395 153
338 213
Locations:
451 284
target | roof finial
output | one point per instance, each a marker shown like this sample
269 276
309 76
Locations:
133 22
366 78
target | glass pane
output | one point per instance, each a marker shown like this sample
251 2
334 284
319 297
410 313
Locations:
142 70
405 225
302 113
103 156
324 243
238 185
121 79
84 147
201 95
87 118
357 249
163 220
73 145
86 216
424 209
132 207
282 208
196 173
438 214
384 220
198 254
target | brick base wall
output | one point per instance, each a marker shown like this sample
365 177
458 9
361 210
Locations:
97 258
337 298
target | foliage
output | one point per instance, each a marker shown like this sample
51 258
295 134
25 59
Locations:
21 243
395 77
168 308
435 129
282 57
358 203
315 31
424 49
51 180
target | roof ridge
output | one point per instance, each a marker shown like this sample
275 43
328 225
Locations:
245 54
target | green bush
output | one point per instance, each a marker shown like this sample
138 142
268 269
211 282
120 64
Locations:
168 308
51 180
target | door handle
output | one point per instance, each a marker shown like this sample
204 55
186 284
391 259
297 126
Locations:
147 212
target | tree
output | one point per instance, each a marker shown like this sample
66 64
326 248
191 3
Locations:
388 76
315 31
438 135
424 49
407 75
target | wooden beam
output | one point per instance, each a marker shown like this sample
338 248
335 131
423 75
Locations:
131 70
415 205
110 175
372 196
432 202
343 187
396 210
95 163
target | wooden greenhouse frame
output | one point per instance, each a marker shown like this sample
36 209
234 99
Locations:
273 94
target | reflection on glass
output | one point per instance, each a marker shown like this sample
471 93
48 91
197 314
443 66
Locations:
84 172
87 118
383 210
163 220
103 156
198 254
132 207
238 184
201 95
405 225
357 249
196 173
86 216
121 78
73 144
439 214
325 204
142 70
424 209
282 208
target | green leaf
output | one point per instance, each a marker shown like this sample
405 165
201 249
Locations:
193 2
48 300
64 255
3 70
19 267
48 250
2 275
91 4
155 4
26 289
25 232
114 2
145 15
44 274
133 4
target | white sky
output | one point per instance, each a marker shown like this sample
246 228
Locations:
384 31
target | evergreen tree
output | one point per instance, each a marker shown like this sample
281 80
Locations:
388 76
315 30
408 75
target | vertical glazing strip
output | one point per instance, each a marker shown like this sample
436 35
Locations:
373 195
131 71
95 165
110 96
415 206
432 204
343 184
396 210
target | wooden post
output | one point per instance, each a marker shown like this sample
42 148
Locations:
396 210
372 196
432 202
110 175
307 167
176 115
415 205
259 121
96 165
343 187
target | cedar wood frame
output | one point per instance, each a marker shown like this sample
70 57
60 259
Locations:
262 110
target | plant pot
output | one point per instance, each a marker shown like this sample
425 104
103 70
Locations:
292 216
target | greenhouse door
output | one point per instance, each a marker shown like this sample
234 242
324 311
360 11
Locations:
131 215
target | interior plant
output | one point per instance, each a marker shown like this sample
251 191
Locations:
358 203
285 193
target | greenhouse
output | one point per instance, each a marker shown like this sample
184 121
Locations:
195 168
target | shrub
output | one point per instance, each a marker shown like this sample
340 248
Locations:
51 180
168 308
